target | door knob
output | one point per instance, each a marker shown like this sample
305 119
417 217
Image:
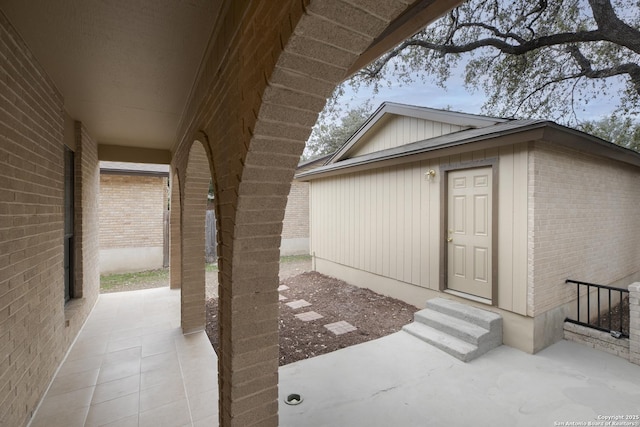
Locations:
449 239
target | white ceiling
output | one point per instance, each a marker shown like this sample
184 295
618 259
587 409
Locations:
124 67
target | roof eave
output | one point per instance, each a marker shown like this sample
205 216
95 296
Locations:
537 131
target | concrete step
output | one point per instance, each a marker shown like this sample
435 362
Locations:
463 331
458 328
456 347
483 318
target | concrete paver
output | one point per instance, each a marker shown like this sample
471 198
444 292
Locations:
309 316
341 327
298 304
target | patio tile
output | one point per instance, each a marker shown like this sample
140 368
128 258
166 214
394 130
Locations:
64 418
172 414
120 369
204 405
80 365
131 421
283 288
113 410
167 362
55 406
282 298
117 388
71 382
206 422
309 316
138 371
341 327
298 304
123 344
161 395
127 354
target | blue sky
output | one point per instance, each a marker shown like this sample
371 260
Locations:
454 97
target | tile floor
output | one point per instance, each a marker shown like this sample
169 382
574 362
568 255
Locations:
131 366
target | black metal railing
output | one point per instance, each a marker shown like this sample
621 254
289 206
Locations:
604 320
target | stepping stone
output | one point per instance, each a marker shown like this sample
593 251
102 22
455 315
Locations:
341 327
282 288
298 303
282 298
309 315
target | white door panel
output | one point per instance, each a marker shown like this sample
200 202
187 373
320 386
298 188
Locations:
469 226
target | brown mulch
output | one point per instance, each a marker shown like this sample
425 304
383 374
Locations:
374 315
615 317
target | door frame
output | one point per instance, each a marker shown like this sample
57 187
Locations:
444 215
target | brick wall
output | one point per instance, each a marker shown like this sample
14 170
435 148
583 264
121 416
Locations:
131 210
31 224
296 215
583 223
36 328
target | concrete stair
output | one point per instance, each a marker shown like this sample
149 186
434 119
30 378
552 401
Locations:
463 331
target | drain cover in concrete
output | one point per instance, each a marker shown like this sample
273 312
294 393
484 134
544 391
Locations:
340 327
298 303
309 315
282 288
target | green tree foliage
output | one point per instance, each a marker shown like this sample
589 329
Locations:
620 130
333 129
545 59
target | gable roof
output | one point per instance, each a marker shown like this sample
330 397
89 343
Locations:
504 133
391 108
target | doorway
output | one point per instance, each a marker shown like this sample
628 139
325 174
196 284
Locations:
469 232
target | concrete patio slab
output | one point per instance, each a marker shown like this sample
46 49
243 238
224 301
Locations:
131 365
401 381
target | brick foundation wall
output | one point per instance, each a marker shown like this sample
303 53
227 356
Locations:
131 210
599 340
583 223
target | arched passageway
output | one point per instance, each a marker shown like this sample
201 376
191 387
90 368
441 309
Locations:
175 261
192 254
269 72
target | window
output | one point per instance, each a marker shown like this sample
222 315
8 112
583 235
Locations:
68 223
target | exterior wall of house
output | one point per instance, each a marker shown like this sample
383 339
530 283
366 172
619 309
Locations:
131 222
36 328
583 225
295 226
400 130
386 223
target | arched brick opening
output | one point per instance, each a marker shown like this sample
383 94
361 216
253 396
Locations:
271 67
192 231
175 261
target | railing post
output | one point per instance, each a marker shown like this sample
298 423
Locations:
634 323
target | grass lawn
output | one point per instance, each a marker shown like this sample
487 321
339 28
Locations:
124 281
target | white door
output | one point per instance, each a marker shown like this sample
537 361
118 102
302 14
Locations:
469 220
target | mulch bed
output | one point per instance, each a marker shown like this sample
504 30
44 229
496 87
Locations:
373 314
615 317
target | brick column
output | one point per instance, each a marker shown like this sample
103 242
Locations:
193 213
634 323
